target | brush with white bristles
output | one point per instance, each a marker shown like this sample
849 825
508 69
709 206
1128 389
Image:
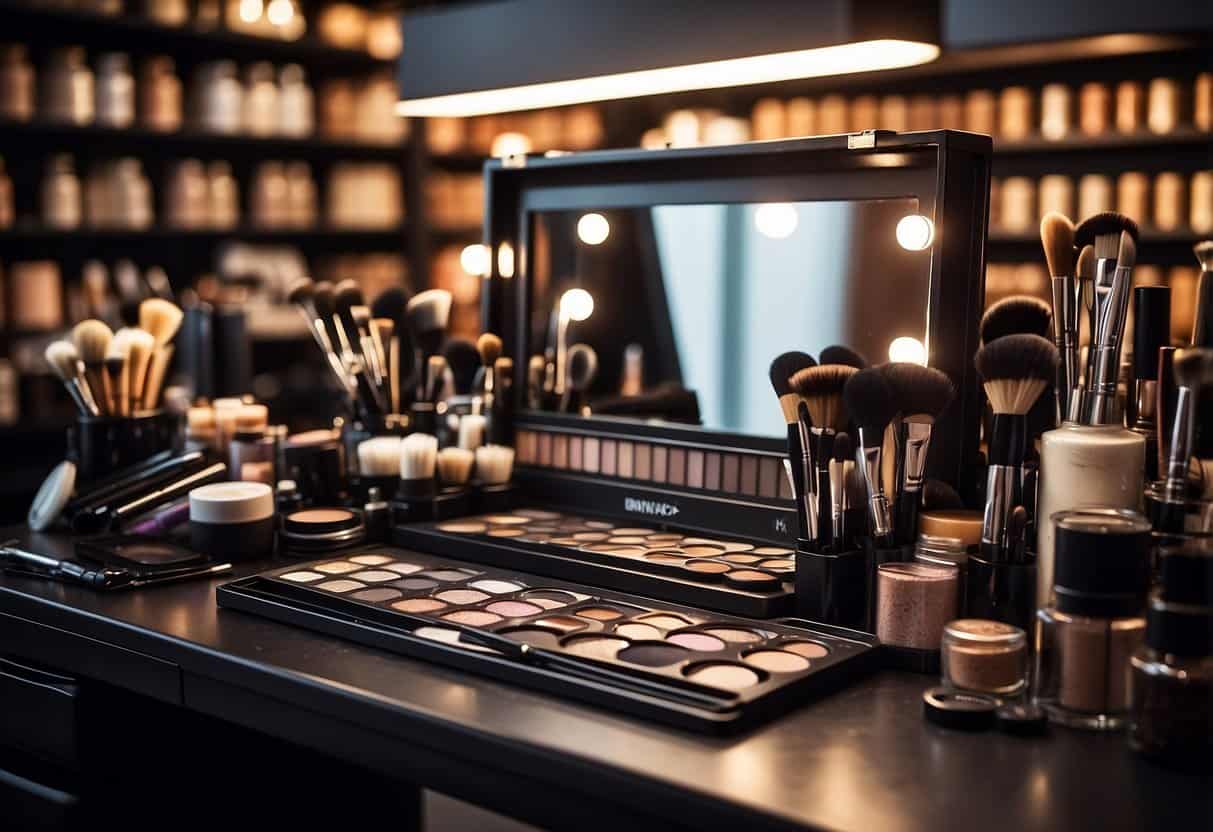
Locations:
428 314
1015 371
64 360
1057 238
92 340
494 464
379 456
140 345
418 459
471 431
436 368
455 465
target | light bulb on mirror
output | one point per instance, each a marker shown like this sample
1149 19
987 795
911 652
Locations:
915 232
593 229
776 220
251 10
475 259
280 12
577 304
909 350
505 260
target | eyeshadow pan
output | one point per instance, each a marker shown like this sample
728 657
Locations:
778 563
666 557
734 635
462 527
695 469
599 613
461 596
653 655
699 642
472 618
777 661
598 524
749 475
702 551
514 609
735 546
595 647
449 574
376 595
808 649
525 446
722 675
561 622
739 557
711 472
508 531
545 449
549 603
626 467
565 541
447 636
664 537
559 597
644 462
665 620
418 605
590 455
560 451
371 560
633 531
707 567
575 453
534 636
626 540
340 585
416 583
609 457
375 576
771 550
591 537
661 464
638 631
538 514
339 567
496 587
616 549
768 477
730 473
678 466
506 519
302 577
752 578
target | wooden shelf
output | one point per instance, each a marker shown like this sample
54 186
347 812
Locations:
310 238
459 162
44 136
1148 238
1142 140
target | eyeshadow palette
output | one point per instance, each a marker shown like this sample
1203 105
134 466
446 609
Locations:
676 664
744 578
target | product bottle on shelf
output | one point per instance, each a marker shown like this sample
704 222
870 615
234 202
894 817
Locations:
61 194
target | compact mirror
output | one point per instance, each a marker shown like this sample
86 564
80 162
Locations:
685 305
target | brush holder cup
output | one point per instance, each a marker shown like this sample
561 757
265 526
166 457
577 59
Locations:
100 446
487 499
832 587
1176 521
1003 592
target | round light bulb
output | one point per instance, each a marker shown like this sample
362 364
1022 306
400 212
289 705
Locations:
776 220
475 259
510 144
251 10
505 260
577 304
908 349
280 12
915 232
593 229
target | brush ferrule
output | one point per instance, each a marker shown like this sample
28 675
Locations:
1067 303
1176 486
1002 484
837 502
1146 398
915 439
868 457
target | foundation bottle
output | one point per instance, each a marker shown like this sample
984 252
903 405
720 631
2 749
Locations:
1172 673
1087 635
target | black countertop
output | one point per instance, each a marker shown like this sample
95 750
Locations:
860 759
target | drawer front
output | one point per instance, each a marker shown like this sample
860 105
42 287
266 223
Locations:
40 714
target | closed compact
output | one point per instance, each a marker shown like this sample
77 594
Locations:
313 530
232 520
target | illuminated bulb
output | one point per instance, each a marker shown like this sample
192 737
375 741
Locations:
593 229
776 220
250 10
505 260
915 232
280 12
908 349
577 304
510 144
475 259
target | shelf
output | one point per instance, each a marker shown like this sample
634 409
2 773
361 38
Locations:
459 162
303 237
1147 238
42 136
1108 141
135 33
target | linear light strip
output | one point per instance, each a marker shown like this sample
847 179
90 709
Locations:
863 56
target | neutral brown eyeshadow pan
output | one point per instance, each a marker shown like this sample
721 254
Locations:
644 462
514 609
777 661
506 532
561 622
721 675
608 462
340 585
738 557
461 596
772 550
652 655
302 577
699 642
711 471
695 469
735 635
464 527
638 631
749 475
337 567
376 595
768 477
576 461
595 647
627 458
371 560
661 463
590 451
415 584
678 466
599 613
707 567
560 451
808 649
419 605
730 471
664 620
534 636
375 576
472 618
545 449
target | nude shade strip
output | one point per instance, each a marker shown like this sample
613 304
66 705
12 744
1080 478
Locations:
749 475
661 463
609 457
695 469
644 461
711 471
576 459
545 449
678 466
626 457
730 472
590 455
560 451
768 477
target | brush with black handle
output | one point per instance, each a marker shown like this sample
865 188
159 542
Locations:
922 394
781 370
844 455
1193 368
1114 238
428 314
870 402
820 389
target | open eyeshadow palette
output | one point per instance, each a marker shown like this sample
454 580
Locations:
745 578
668 662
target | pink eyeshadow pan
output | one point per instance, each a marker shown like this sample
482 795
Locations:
609 451
661 463
626 458
678 466
576 445
701 642
749 475
644 462
545 449
560 451
711 472
514 609
695 469
590 451
526 447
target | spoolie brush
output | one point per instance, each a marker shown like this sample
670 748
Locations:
921 394
92 340
1015 370
582 367
1057 239
820 390
64 360
870 402
781 371
839 354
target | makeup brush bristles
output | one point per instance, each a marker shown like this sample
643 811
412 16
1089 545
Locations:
1057 239
379 456
92 340
489 347
142 346
435 373
429 311
820 388
1103 232
1085 267
464 360
870 401
455 465
1204 254
1126 251
1016 314
418 456
781 371
839 354
64 361
1015 370
494 464
921 393
1193 368
161 318
471 431
117 373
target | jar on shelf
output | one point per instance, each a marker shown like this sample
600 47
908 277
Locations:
300 195
36 296
218 96
6 198
185 195
61 193
67 87
160 95
222 196
167 12
268 207
16 83
132 195
115 91
337 107
295 102
260 104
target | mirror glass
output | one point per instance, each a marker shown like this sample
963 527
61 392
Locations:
684 306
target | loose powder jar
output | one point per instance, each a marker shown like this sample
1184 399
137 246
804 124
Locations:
913 602
232 520
985 657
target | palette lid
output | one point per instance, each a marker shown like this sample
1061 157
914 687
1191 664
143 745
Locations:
231 502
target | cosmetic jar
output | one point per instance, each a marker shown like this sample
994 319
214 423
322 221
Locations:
1172 673
1170 201
980 112
1054 111
1133 195
1095 194
1130 106
947 536
249 443
1094 107
1163 105
67 87
314 530
981 656
115 91
232 520
313 460
913 603
1086 637
1056 194
16 83
1200 214
1018 204
160 95
1014 113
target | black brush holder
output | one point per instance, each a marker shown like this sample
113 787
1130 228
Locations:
1003 592
101 446
831 587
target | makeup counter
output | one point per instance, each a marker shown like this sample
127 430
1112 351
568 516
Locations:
585 570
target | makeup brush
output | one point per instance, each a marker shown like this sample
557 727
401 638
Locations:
326 310
464 360
1151 332
455 465
428 314
383 333
117 373
855 501
844 453
162 319
435 373
938 495
489 346
92 339
536 368
64 360
471 431
142 346
632 378
1057 239
581 368
783 368
1193 370
391 304
820 390
379 456
372 350
418 457
1015 370
870 403
1014 315
921 394
1202 324
494 464
839 354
